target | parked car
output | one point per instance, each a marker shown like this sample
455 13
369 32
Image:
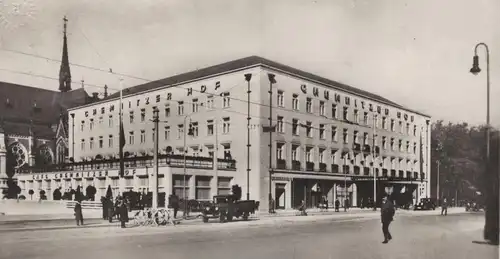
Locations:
426 204
226 208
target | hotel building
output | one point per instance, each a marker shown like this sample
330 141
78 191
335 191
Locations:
329 139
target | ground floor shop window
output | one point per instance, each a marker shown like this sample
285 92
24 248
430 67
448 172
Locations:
224 185
203 187
181 186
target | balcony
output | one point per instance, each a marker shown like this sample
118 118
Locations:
357 147
134 162
366 170
296 165
335 169
322 167
281 164
377 150
367 149
309 166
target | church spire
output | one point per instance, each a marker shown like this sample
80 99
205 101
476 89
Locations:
64 71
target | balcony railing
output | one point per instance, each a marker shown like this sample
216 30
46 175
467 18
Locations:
296 165
281 164
309 166
335 169
135 161
322 167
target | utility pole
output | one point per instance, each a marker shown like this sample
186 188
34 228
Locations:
373 164
248 77
185 197
155 159
216 153
270 129
437 193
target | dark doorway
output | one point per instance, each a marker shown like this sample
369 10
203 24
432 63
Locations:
280 196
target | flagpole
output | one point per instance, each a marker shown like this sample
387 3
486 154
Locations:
121 133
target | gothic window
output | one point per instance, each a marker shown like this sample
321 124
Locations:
46 156
17 155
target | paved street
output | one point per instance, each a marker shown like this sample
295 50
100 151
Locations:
429 236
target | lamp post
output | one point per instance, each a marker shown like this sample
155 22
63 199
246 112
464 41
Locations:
72 136
270 129
155 159
185 171
344 162
437 189
373 164
248 77
475 70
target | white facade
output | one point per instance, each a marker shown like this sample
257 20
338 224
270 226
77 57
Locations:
221 100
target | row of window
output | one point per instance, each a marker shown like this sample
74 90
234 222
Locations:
195 107
308 153
356 116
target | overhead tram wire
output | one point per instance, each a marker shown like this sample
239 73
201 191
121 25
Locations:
194 90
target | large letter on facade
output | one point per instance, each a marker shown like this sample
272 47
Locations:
315 91
327 95
303 88
190 91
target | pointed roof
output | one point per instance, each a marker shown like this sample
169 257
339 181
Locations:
64 71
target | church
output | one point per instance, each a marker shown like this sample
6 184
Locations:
33 123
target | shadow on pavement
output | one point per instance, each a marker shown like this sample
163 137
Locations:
484 243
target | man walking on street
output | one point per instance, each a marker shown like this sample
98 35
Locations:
387 215
78 213
444 207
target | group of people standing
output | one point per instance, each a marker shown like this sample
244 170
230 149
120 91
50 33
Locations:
119 208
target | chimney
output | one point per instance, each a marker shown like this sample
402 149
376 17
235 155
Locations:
95 95
105 91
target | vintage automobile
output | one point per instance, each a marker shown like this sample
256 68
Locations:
425 204
225 207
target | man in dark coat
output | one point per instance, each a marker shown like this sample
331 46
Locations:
444 207
174 203
337 205
78 213
387 215
111 211
123 212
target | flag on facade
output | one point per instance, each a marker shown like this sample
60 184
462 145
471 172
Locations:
122 144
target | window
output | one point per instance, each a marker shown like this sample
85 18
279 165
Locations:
110 141
356 116
180 108
82 145
309 129
407 128
203 188
295 102
332 155
365 138
91 124
384 142
210 102
82 126
194 127
91 143
226 124
167 110
356 140
345 136
401 129
321 155
415 130
143 136
384 122
100 121
322 131
131 117
414 148
143 115
295 127
309 105
281 100
195 105
167 132
375 141
393 125
400 145
279 127
346 115
226 100
101 142
334 111
280 149
365 118
295 153
334 133
180 131
210 127
309 155
408 146
110 121
392 144
322 108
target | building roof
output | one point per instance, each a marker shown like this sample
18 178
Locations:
22 106
249 62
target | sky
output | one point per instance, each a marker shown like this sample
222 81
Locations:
417 53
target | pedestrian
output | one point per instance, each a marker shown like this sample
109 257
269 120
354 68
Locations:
444 207
387 215
346 204
123 212
111 211
78 213
174 203
337 205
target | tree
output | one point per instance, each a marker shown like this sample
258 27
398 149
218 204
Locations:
236 190
42 195
13 190
90 192
109 193
56 195
31 192
78 194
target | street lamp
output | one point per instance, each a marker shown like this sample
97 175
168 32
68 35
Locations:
190 133
248 77
270 129
475 70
